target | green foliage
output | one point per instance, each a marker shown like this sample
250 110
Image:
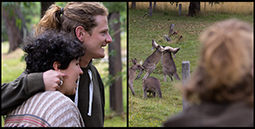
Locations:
61 4
152 112
116 6
9 6
30 11
120 7
32 15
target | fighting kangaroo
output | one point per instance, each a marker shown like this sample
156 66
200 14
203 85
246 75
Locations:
150 63
168 64
131 73
151 85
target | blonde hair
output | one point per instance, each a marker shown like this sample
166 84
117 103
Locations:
224 72
73 14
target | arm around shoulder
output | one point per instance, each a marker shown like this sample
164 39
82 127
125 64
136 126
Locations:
19 90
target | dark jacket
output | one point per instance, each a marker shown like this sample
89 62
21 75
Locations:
237 114
15 93
97 117
26 85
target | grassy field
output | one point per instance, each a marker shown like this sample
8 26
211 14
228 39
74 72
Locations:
12 67
152 112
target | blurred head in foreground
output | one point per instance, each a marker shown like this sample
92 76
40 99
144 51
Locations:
225 68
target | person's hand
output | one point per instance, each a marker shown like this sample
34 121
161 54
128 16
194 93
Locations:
52 80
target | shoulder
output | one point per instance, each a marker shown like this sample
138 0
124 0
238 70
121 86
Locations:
63 111
93 68
212 114
50 101
57 98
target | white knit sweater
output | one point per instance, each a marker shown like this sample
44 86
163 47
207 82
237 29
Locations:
46 109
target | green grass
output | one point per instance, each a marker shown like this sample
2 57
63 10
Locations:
152 112
12 67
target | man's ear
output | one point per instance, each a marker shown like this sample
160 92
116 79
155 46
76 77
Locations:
56 65
80 33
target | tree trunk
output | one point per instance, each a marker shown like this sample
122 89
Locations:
44 7
154 8
133 5
194 8
13 31
115 67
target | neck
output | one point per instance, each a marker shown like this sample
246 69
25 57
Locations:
84 61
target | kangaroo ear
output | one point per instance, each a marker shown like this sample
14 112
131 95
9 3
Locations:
135 60
153 44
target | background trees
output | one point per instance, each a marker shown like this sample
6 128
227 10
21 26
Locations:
14 23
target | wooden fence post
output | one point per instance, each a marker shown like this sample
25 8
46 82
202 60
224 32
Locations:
185 79
180 9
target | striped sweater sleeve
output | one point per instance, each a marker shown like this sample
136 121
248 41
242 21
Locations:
51 106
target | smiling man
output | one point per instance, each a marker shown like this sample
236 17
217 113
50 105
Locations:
95 41
86 21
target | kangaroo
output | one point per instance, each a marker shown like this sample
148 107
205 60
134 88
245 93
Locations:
151 85
168 64
150 62
131 73
172 32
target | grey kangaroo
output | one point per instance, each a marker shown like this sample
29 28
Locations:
151 85
132 73
150 62
168 64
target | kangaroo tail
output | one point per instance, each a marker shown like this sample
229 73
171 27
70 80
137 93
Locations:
159 93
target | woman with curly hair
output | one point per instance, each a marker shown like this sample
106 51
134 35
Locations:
59 52
221 88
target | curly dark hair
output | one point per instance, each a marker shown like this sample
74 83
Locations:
42 51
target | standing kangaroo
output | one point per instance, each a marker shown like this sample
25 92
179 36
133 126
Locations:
151 85
131 73
168 64
150 62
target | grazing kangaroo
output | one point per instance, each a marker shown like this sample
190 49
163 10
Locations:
168 64
150 62
172 32
131 73
151 85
